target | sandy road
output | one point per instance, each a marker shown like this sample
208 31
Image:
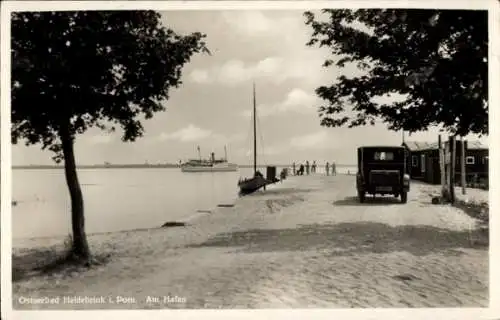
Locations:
305 243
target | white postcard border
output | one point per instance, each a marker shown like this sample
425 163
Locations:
289 314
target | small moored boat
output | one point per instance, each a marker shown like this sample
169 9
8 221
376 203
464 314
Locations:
258 180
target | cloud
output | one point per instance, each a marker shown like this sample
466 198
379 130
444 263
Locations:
100 139
219 139
192 133
315 140
267 151
297 100
276 150
288 57
300 98
253 23
283 38
304 67
187 134
287 33
199 76
234 72
267 24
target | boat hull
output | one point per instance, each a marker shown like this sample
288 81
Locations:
230 167
251 185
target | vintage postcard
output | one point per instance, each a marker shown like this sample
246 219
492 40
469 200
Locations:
249 159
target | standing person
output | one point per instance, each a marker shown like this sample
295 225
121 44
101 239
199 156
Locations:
314 167
327 168
307 167
301 170
334 169
293 168
283 174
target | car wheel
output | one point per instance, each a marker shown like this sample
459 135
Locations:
404 197
396 195
361 196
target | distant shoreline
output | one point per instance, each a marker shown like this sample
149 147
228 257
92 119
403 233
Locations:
135 166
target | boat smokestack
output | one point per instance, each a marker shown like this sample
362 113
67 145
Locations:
213 156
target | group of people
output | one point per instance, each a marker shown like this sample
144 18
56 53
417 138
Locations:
308 168
331 166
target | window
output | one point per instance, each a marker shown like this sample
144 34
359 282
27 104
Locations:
470 160
414 161
422 163
383 155
485 159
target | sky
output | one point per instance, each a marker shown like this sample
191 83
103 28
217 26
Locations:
212 108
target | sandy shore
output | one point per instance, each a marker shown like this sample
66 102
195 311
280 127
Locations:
304 243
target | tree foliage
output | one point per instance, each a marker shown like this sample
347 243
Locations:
92 68
435 59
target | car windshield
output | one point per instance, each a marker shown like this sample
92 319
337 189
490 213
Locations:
383 156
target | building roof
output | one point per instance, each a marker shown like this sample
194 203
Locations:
477 145
381 147
421 146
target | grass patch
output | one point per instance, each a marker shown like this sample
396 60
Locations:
479 211
475 209
55 260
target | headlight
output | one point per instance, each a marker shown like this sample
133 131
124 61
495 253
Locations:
406 179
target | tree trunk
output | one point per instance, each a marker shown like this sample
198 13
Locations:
80 246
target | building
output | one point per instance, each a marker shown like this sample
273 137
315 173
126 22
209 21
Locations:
476 161
418 153
423 161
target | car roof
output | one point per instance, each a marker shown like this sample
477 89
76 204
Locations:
381 147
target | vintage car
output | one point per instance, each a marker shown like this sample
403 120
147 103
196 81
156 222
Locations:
382 170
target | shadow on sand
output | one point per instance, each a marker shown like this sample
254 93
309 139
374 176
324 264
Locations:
351 239
47 261
369 201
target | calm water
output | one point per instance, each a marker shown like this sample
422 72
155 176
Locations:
117 199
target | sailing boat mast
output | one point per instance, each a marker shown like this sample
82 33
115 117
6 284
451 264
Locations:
254 132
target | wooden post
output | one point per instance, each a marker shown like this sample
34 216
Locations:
462 166
442 166
453 148
447 158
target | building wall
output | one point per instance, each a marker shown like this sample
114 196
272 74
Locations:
425 165
432 167
479 167
414 164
